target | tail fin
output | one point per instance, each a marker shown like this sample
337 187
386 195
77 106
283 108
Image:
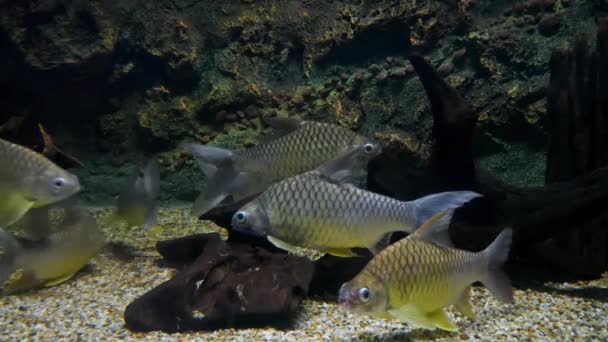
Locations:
9 251
496 254
427 206
219 167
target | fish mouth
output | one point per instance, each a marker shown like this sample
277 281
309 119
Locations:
345 299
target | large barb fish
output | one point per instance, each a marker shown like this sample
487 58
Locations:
243 173
415 278
29 180
52 260
322 210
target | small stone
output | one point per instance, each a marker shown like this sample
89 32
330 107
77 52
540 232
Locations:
459 55
324 92
344 77
221 116
381 76
518 8
445 69
307 92
251 111
549 25
231 117
401 73
374 68
339 86
205 139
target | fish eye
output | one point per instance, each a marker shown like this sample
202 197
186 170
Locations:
364 294
59 182
240 217
368 148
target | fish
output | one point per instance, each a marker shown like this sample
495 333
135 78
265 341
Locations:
322 210
415 278
236 175
136 204
30 180
53 260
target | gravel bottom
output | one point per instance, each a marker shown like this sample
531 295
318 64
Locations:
91 305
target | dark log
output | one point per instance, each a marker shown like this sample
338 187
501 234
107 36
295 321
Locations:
578 108
229 285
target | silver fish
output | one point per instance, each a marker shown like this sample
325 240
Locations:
29 180
52 260
247 172
137 202
321 210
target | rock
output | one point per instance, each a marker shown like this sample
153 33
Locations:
228 285
549 25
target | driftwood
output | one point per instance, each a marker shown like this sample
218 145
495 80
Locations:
578 110
222 285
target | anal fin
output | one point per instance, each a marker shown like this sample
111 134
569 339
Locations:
441 320
59 280
428 320
463 305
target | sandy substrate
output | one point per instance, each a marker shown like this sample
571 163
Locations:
90 307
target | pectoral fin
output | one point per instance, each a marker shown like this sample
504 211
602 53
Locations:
59 280
381 244
413 315
341 252
464 304
12 207
282 244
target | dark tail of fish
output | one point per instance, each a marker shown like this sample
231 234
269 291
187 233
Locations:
495 279
223 176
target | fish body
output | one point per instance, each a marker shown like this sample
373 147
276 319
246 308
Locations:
137 203
52 260
30 180
242 173
316 210
414 279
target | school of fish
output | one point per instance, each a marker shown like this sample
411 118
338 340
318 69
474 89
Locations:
299 190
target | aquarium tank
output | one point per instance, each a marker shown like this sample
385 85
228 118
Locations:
313 170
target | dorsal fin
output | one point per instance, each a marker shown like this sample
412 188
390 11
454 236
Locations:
346 167
287 125
436 229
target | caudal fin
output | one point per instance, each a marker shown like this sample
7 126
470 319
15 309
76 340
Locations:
496 254
427 206
219 167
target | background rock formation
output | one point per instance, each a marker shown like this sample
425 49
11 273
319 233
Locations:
112 79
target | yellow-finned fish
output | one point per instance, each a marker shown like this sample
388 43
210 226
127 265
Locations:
414 279
239 174
30 180
321 210
52 260
137 202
